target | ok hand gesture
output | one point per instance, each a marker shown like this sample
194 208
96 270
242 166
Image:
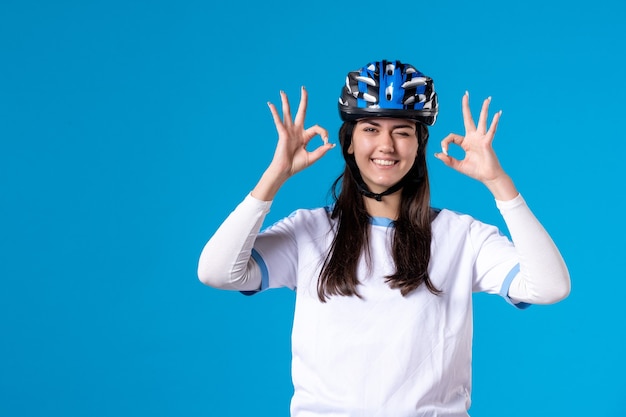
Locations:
291 155
480 161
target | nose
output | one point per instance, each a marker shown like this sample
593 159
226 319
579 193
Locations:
385 144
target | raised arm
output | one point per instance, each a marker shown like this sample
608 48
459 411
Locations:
543 276
225 261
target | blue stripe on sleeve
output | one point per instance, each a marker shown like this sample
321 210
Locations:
504 290
264 274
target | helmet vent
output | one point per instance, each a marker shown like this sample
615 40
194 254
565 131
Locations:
367 80
369 98
390 68
389 92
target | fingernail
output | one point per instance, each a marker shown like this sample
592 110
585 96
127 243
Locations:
489 98
467 93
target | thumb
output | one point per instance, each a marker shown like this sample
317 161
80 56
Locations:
320 151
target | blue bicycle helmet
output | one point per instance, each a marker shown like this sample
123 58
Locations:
388 89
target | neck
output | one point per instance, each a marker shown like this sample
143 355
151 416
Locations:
388 207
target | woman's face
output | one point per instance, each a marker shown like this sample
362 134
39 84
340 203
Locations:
385 150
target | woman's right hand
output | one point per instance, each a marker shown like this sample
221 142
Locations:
291 155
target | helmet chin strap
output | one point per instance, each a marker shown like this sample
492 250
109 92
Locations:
377 196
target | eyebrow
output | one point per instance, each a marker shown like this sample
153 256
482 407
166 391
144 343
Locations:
401 126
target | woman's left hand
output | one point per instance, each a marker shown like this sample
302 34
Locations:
480 161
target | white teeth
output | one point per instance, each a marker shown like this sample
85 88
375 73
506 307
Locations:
383 162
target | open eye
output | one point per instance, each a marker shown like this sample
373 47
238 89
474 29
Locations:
366 127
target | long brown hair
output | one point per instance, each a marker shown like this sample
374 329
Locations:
411 238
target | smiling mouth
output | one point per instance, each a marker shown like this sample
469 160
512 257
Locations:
384 162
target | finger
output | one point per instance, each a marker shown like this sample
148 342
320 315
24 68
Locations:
301 113
277 121
286 109
451 138
320 151
468 121
313 131
484 112
494 125
448 160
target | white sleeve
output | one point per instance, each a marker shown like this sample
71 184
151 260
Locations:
543 277
225 261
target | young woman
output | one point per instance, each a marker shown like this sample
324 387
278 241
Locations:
384 282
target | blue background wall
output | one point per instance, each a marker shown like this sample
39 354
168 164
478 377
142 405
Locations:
130 129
